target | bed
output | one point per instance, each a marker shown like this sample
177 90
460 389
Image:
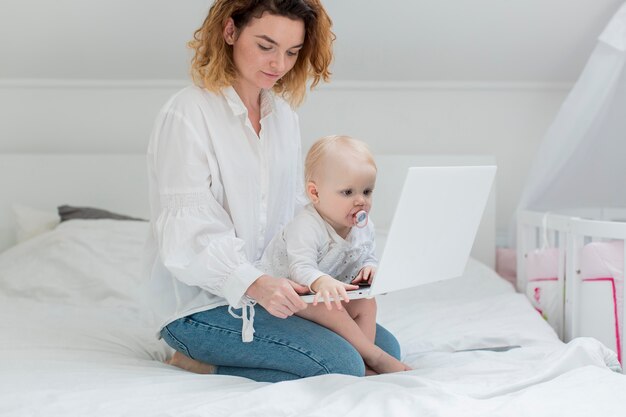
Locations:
77 340
572 266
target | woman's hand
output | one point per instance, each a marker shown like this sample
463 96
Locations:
365 275
329 288
279 296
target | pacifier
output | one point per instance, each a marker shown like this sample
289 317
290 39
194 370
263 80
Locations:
361 219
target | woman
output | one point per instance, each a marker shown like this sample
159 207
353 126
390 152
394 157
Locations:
225 176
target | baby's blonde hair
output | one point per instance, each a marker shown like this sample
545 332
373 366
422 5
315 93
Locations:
327 144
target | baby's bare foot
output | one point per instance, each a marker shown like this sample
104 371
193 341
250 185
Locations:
191 365
384 363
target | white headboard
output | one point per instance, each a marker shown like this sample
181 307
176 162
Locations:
118 182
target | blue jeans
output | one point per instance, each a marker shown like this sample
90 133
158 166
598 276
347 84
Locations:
282 349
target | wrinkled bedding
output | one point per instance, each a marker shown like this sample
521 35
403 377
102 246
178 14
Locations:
77 341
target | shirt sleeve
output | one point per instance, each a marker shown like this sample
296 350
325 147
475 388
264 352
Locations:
303 239
194 233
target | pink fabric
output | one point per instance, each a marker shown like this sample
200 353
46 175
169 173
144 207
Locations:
604 261
542 288
542 263
506 264
616 321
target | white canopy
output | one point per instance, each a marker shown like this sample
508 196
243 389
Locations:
582 160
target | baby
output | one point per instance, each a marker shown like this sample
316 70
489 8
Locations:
322 249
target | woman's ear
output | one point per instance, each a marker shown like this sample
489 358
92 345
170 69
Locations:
230 31
311 192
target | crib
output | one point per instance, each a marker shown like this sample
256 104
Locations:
571 266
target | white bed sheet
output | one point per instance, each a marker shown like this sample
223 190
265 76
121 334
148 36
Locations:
76 342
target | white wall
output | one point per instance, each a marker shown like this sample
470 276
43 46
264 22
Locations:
507 120
401 40
393 65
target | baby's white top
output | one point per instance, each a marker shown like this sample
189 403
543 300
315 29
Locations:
308 247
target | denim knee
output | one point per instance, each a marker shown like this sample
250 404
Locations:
348 362
172 341
387 342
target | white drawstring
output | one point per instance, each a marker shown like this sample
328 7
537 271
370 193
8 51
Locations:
247 325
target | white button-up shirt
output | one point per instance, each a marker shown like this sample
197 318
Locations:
218 195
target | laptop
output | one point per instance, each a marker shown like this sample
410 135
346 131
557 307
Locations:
433 228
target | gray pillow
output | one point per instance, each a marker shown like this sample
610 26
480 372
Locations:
70 213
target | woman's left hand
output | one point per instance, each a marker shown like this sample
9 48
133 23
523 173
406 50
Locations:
279 296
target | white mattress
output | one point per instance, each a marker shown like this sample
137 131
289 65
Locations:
77 343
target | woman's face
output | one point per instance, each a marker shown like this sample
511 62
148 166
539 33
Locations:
265 50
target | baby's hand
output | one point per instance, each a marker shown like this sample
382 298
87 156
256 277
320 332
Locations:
365 275
328 288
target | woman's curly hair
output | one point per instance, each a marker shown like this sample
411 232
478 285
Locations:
213 68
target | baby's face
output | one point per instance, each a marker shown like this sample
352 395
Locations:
344 189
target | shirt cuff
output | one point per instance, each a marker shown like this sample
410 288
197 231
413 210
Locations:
313 276
238 282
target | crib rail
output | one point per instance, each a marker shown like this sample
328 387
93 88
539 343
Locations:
569 234
535 231
582 232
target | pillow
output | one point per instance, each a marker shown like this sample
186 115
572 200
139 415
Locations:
70 213
84 262
31 222
85 279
